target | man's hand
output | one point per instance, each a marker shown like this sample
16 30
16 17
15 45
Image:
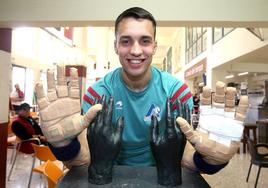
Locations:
168 148
60 108
104 142
217 138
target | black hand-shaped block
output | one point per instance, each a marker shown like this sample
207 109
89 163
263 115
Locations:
104 142
168 148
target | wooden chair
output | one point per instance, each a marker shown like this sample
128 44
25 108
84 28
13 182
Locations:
257 158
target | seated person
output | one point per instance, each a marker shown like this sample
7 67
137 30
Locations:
25 127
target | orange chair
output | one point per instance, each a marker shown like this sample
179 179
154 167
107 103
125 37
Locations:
11 140
43 153
53 173
34 114
18 150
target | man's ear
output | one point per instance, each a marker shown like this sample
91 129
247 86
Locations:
155 47
115 47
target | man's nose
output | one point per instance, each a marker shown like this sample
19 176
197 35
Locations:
136 49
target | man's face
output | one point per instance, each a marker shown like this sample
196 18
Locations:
17 87
135 46
24 113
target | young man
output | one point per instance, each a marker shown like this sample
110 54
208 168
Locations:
139 92
25 127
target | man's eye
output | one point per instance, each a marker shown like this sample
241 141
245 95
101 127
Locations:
124 42
146 41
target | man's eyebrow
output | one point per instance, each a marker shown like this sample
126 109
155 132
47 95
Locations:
147 37
142 37
125 37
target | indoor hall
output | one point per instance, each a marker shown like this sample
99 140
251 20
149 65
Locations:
162 62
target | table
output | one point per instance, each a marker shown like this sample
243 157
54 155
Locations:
129 177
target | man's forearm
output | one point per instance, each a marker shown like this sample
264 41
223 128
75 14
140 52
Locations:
74 155
16 99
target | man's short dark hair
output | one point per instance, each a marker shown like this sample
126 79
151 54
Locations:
25 106
137 13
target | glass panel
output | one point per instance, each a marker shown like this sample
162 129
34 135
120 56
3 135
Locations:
186 39
227 30
217 34
199 46
199 31
190 34
194 50
194 34
190 56
204 43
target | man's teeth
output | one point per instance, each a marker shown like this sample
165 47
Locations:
135 61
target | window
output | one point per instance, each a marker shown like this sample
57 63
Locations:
18 77
24 77
196 42
219 32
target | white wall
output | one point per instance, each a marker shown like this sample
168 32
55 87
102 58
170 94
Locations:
5 78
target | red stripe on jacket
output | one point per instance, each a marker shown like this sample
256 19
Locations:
88 100
186 97
94 93
183 99
178 92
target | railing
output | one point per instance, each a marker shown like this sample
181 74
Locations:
257 32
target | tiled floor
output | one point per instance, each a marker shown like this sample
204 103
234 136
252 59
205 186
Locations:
21 172
234 175
20 175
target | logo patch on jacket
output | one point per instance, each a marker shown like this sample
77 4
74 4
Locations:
153 110
119 105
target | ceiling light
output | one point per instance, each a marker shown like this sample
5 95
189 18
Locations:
229 76
242 73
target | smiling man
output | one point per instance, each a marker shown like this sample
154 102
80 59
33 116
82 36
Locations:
141 88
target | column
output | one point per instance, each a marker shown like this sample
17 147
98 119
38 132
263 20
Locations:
5 79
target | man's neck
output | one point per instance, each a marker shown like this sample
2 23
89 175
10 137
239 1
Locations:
137 84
